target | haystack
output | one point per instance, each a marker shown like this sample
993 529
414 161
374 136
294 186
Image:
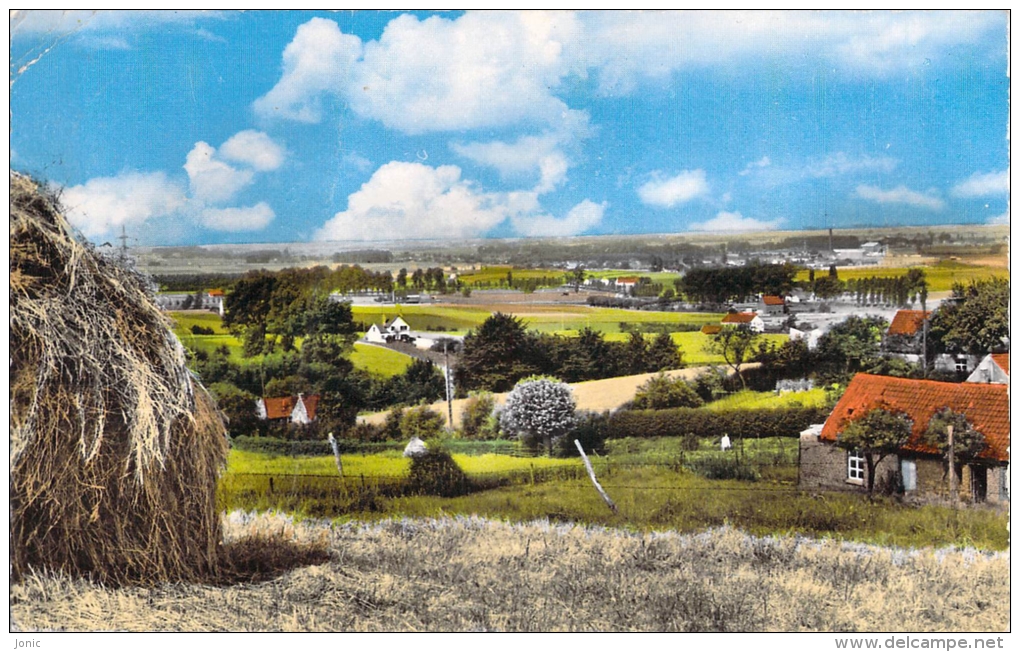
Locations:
115 448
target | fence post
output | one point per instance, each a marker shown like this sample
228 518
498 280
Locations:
532 473
591 474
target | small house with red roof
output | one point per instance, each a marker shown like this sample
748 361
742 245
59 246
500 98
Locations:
905 333
747 319
917 468
711 329
298 409
773 305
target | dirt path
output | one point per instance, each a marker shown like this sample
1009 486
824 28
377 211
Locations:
592 395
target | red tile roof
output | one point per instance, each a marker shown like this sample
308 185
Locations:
216 293
986 407
627 279
1002 359
711 329
771 300
907 322
739 317
280 408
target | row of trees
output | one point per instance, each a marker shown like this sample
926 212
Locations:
502 351
719 285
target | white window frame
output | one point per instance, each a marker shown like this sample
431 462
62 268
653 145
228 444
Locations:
855 467
908 473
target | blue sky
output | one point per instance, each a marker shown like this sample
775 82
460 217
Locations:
200 128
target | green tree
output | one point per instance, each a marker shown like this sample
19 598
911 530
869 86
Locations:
662 392
735 345
854 343
497 355
968 442
422 422
577 276
239 408
663 354
539 411
636 351
474 418
875 435
420 382
975 320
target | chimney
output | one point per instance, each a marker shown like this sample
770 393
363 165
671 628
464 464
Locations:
830 240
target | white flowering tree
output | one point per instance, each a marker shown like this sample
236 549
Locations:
539 410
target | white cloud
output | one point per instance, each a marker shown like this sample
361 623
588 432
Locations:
101 205
245 218
318 61
527 154
900 195
999 219
57 22
253 148
213 180
670 191
416 201
726 221
763 162
579 219
983 185
357 161
839 163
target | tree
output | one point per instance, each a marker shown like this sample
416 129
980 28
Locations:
422 422
420 382
662 392
497 355
967 441
636 351
474 418
577 277
239 408
876 435
539 411
975 320
853 343
735 344
663 354
828 287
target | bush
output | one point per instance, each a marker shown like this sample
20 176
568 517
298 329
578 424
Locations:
661 392
201 330
422 422
476 415
591 430
392 427
290 448
700 422
723 468
436 474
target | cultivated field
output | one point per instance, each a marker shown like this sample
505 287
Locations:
474 574
941 276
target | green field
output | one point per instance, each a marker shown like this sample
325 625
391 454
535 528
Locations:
941 276
379 360
666 278
695 347
496 274
751 400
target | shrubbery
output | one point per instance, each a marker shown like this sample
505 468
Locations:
699 422
591 429
288 447
435 473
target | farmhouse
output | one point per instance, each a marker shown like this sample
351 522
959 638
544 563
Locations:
773 305
749 319
627 282
298 409
904 336
917 468
388 332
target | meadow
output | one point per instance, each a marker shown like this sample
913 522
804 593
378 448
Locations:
941 275
751 400
469 573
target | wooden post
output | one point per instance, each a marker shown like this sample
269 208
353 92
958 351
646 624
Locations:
591 474
336 455
952 467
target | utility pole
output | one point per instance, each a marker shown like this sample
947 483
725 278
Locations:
924 331
123 243
449 382
952 467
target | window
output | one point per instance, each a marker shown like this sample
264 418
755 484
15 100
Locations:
961 366
855 467
908 471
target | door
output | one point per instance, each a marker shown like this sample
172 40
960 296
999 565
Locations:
979 483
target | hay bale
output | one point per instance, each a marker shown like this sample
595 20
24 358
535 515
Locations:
115 448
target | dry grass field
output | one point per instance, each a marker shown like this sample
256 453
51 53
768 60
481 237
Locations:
472 574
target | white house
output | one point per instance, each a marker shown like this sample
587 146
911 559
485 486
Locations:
298 409
811 337
749 319
389 331
993 368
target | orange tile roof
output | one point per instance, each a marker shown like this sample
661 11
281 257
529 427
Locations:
280 408
907 322
1002 359
986 407
739 317
627 279
771 300
215 293
711 329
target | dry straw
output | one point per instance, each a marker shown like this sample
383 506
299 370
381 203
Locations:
115 449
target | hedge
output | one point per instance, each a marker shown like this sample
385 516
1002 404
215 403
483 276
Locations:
299 448
699 422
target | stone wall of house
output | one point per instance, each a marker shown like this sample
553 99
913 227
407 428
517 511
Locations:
933 481
823 467
998 484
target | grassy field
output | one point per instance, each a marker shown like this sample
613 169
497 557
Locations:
695 346
941 276
473 574
666 278
379 360
751 400
496 274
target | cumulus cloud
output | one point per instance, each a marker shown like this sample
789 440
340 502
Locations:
244 218
729 222
101 205
983 185
900 195
253 148
839 164
578 219
528 154
356 161
415 201
213 180
763 162
317 62
667 192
